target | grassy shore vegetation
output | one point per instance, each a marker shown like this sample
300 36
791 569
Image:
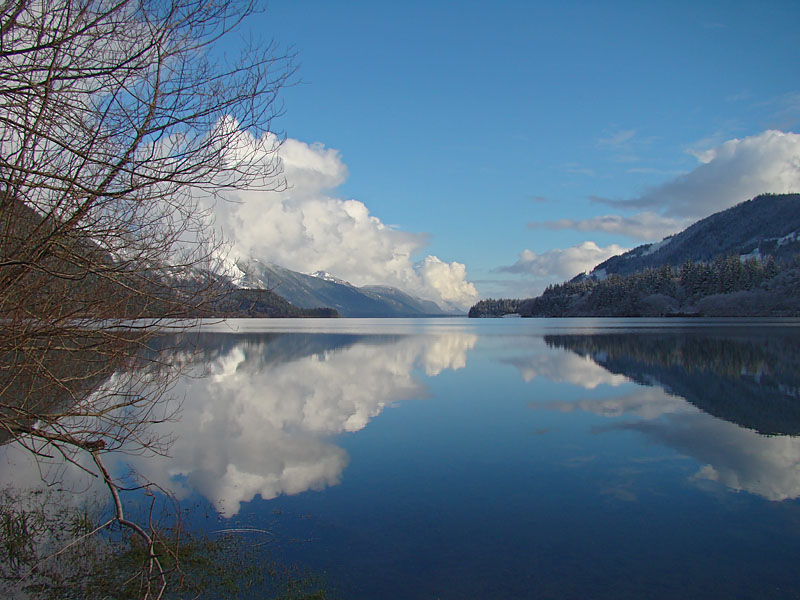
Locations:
53 550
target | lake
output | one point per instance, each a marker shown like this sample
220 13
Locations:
500 458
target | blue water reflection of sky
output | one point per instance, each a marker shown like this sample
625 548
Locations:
452 459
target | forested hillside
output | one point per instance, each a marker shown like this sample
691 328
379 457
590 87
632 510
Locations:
743 261
492 307
767 225
116 286
726 287
239 302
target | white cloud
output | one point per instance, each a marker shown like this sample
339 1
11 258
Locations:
449 280
563 263
307 228
732 172
729 173
618 138
646 225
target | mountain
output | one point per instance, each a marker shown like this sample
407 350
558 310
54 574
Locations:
324 290
743 261
328 277
767 225
239 302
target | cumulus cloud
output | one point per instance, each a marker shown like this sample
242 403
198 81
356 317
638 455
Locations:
729 173
732 172
563 263
308 228
449 280
646 225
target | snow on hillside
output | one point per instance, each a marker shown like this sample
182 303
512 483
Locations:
328 277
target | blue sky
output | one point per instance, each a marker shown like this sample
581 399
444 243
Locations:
495 134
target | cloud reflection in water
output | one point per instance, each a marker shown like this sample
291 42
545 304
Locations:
729 451
563 367
738 458
260 422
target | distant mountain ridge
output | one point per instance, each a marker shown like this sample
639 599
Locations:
743 261
323 290
767 225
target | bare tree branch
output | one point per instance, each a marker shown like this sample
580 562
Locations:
119 121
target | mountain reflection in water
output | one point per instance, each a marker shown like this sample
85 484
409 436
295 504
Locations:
751 380
534 458
746 387
261 421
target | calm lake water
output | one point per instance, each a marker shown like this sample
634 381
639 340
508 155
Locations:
505 458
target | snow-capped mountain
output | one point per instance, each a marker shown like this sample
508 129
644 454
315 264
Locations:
767 225
321 289
328 277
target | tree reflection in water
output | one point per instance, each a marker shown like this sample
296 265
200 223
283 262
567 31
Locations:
730 400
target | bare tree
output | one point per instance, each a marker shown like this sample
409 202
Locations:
118 119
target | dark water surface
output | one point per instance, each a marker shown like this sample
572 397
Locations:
503 458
